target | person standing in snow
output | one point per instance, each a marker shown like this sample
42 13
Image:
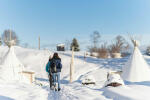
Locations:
48 71
54 67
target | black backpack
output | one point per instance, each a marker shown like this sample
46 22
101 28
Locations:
55 66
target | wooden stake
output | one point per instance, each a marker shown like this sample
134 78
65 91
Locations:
39 42
72 66
10 35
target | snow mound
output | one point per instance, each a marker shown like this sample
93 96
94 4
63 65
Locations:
114 78
88 80
132 92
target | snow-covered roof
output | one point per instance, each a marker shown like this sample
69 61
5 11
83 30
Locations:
60 44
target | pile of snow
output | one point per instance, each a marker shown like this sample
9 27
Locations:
88 80
131 92
114 78
20 91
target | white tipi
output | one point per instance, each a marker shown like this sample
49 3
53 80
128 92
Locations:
11 68
136 69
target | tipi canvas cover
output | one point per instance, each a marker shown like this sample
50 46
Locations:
136 69
11 68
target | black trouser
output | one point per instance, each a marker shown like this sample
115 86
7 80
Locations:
50 80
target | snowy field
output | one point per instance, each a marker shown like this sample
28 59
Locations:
36 60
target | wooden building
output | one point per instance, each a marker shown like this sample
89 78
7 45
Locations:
61 47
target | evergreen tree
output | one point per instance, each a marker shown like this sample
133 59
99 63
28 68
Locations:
75 45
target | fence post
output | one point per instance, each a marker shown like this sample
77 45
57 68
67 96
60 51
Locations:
72 66
39 42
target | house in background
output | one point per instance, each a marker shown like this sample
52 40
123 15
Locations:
61 47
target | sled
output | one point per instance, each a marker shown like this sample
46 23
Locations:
88 80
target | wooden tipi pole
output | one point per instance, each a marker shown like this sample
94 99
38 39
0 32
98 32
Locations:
72 66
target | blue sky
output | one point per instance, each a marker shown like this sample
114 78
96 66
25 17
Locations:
56 21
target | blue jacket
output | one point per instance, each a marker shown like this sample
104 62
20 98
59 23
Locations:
48 66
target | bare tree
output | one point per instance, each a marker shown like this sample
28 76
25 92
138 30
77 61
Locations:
91 50
119 45
103 51
8 36
95 37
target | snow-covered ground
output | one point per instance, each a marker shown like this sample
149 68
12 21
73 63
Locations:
36 60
